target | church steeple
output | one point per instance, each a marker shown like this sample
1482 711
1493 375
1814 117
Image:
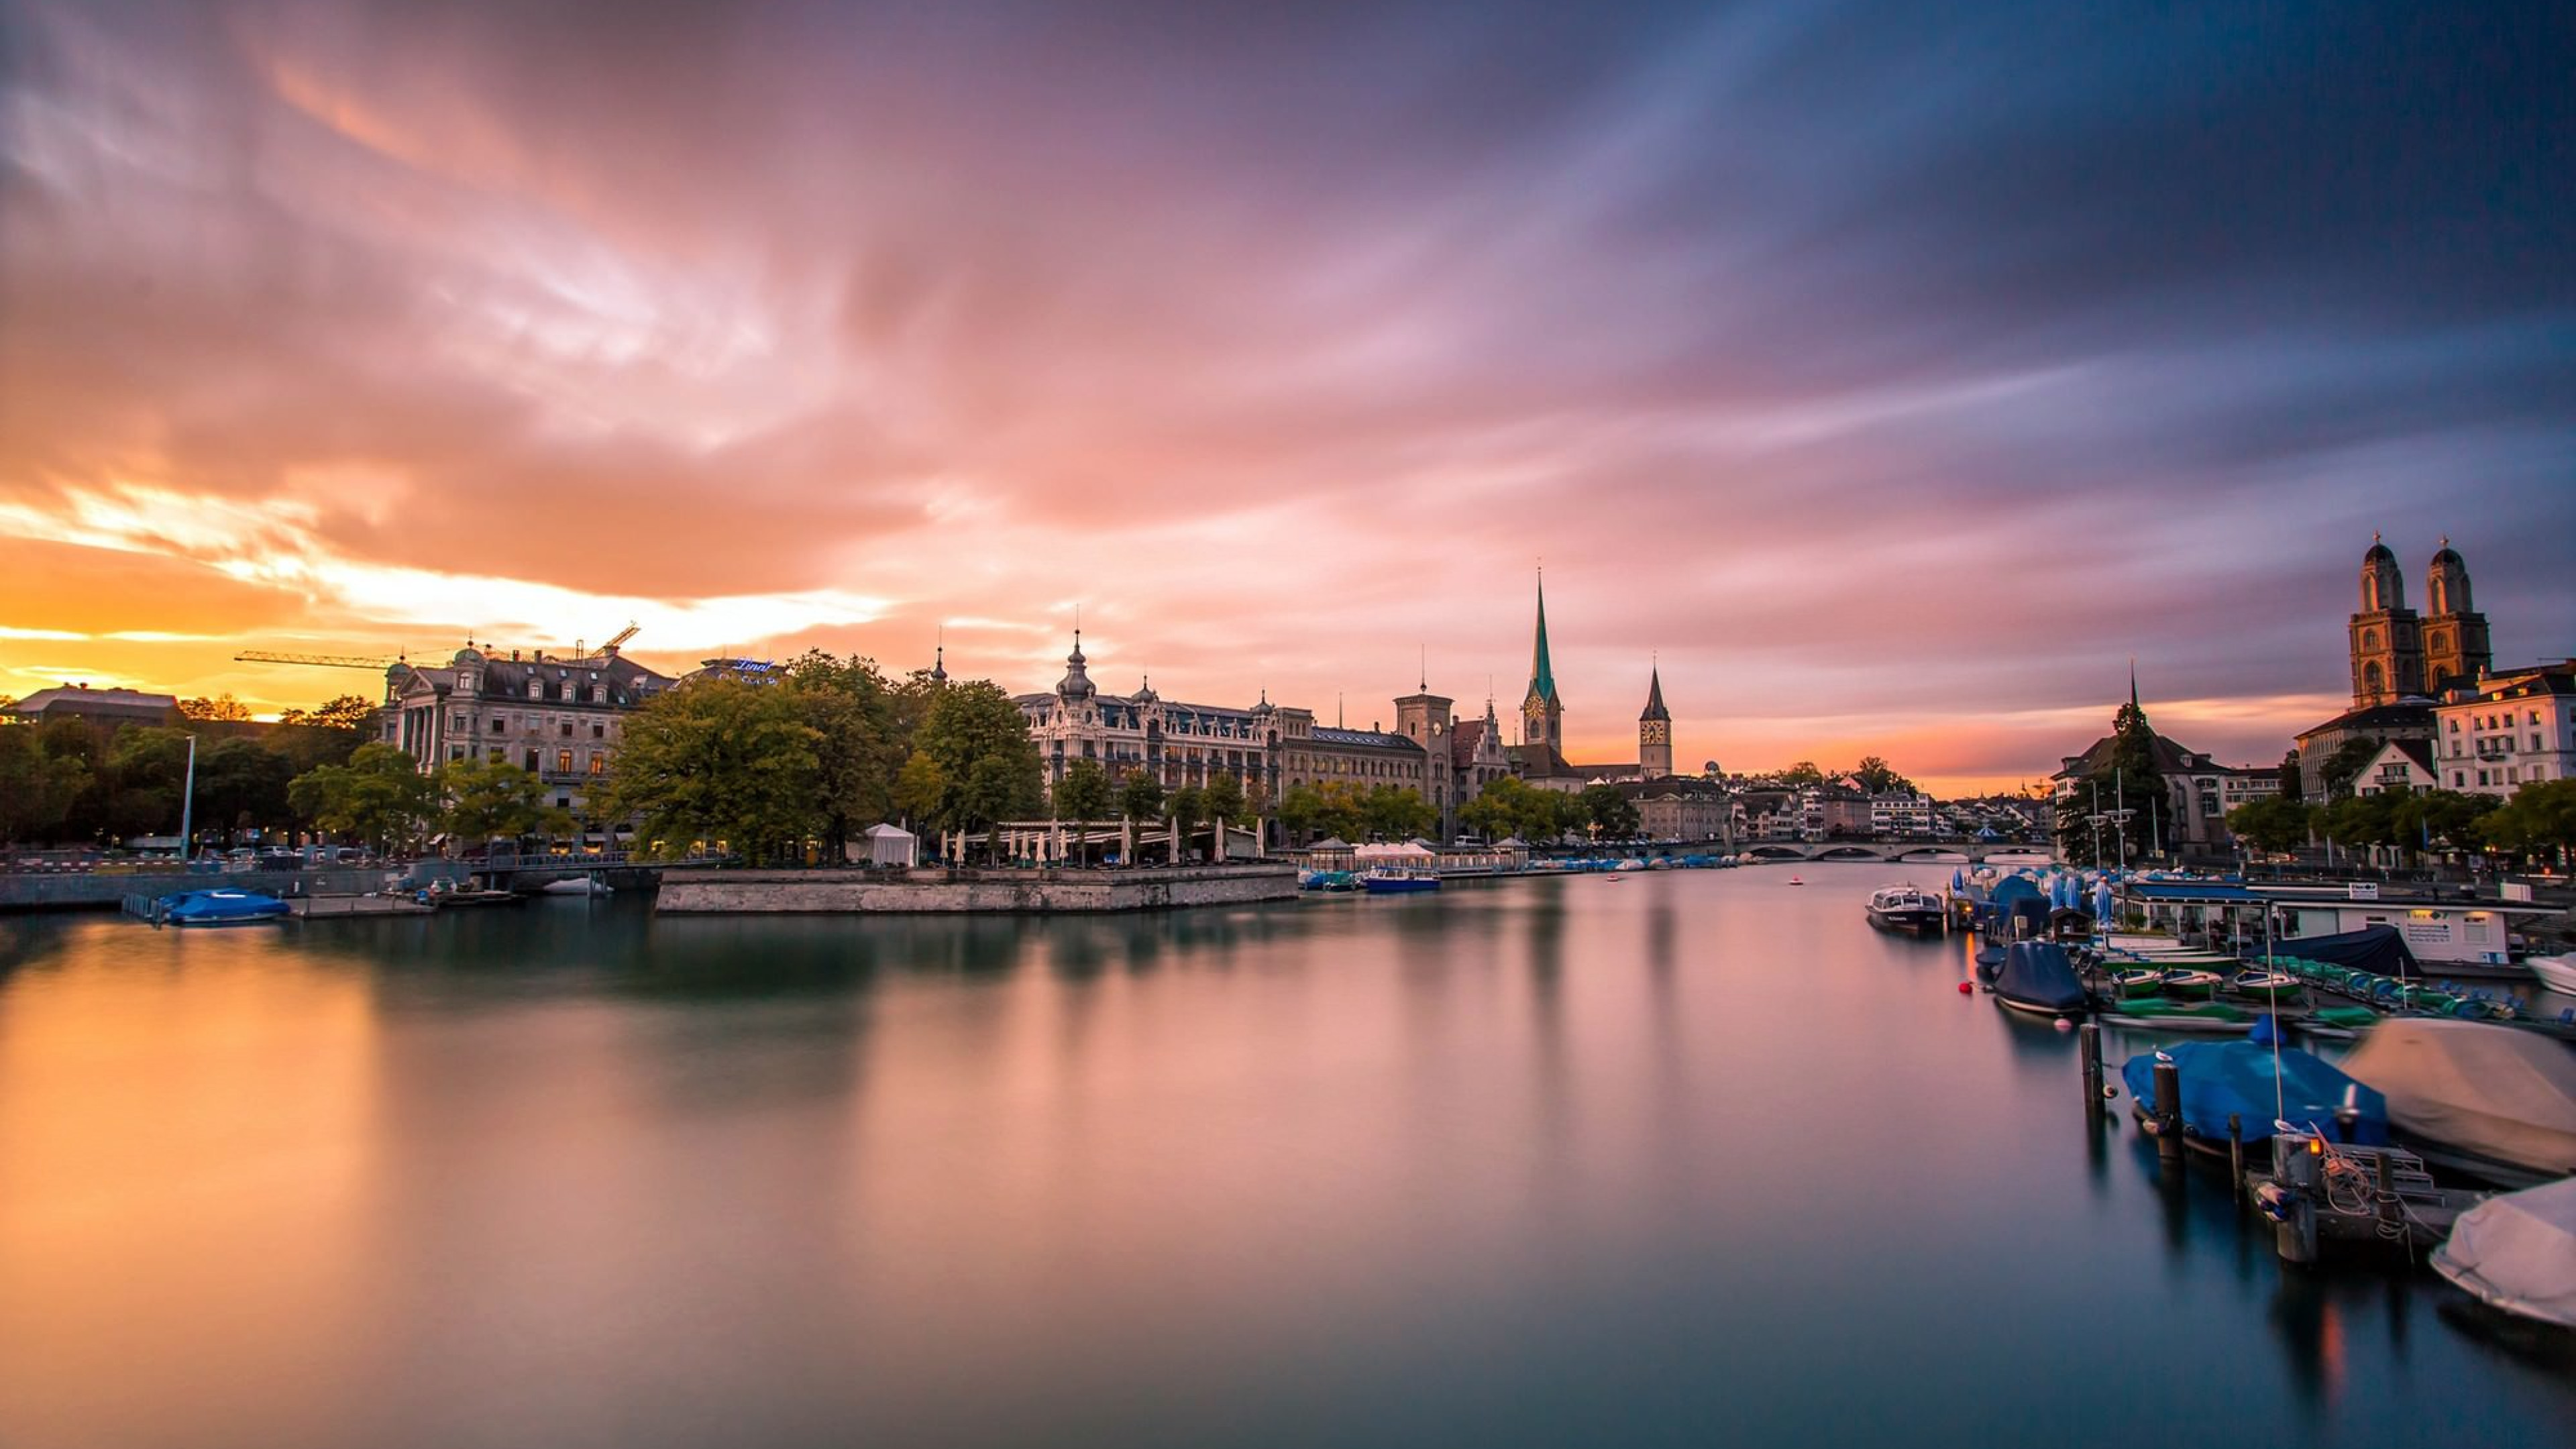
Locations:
1542 713
1655 730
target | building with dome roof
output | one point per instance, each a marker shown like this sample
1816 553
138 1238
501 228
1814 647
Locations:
557 717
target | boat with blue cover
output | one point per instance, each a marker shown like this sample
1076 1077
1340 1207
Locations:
1399 880
2236 1078
2038 977
222 908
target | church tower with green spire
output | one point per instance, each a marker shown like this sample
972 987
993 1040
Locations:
1542 713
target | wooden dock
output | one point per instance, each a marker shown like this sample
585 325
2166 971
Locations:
321 907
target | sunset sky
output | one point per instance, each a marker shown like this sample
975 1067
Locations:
1892 373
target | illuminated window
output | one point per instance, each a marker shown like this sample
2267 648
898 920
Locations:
563 760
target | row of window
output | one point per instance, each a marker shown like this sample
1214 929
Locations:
2506 776
2494 722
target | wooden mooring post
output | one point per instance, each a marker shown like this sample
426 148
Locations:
2089 1042
2168 1110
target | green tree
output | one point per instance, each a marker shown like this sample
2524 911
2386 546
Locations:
379 797
241 784
989 765
37 787
858 760
1609 812
1185 808
1875 776
222 707
722 761
1140 798
2359 821
1800 776
2537 820
1084 795
2444 817
146 778
1226 804
2293 784
339 712
1084 792
2129 778
2341 767
920 787
1397 812
482 800
2274 823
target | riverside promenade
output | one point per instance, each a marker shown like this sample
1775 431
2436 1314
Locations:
936 890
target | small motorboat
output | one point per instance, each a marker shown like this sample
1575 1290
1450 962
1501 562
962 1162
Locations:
2190 981
2137 981
577 886
2154 1013
2558 973
1906 907
1989 960
1797 880
222 908
2266 986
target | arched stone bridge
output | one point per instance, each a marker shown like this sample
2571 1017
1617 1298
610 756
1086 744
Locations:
1919 852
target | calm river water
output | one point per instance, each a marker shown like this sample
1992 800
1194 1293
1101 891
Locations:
1672 1158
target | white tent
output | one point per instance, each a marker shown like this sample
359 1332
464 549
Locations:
2518 1252
1411 852
892 845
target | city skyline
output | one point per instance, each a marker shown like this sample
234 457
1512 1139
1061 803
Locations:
1284 346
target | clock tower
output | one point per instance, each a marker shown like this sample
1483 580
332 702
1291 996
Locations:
1655 732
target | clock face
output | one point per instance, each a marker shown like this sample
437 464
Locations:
1657 732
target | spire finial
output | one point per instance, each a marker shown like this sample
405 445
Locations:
1423 685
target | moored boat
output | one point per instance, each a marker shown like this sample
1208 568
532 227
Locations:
2261 1087
222 908
1398 880
2037 977
2518 1253
2558 973
2492 1102
1906 907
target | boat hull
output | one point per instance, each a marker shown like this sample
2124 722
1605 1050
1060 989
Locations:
1399 885
1916 920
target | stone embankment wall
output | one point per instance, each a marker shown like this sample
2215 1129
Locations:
98 890
940 891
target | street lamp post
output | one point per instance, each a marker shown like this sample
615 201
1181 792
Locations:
188 809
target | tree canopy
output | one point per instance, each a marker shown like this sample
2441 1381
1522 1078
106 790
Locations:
379 797
482 800
720 760
2539 819
987 767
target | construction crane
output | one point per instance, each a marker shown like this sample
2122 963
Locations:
376 662
584 659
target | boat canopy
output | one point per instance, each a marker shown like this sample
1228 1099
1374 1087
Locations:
2377 949
2518 1252
2498 1091
2235 1077
2037 973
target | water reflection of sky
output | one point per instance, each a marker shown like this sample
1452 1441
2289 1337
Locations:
1668 1158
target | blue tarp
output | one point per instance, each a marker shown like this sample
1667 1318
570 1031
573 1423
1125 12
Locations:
2038 975
2220 1077
2373 948
202 908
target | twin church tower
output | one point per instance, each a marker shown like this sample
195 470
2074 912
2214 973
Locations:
2396 654
1542 750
